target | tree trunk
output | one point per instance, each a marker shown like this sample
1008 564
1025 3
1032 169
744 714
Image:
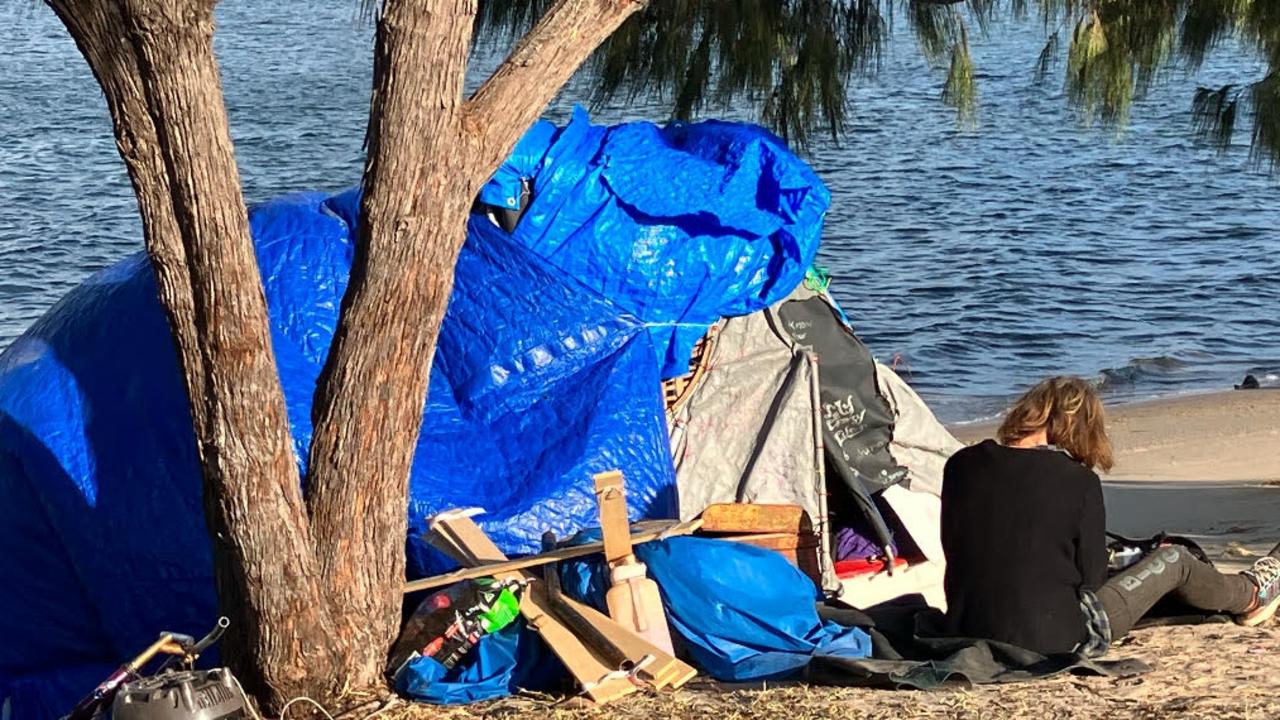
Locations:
429 152
314 591
155 63
369 402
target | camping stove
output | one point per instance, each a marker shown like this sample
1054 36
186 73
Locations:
187 695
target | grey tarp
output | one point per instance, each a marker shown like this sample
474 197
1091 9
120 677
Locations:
751 427
922 445
857 423
748 431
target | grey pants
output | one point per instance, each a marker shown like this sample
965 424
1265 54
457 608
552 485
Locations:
1172 570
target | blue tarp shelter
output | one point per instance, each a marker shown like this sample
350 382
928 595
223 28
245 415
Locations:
547 370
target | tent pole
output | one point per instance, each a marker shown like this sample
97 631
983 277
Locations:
823 521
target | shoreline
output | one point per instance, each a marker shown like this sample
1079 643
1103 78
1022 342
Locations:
1225 436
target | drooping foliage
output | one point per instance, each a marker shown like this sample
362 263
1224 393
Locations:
794 61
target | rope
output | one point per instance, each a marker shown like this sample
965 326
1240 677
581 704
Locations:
285 711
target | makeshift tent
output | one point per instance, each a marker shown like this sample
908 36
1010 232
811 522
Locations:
548 369
784 404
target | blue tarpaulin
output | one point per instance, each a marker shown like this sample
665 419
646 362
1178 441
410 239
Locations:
721 219
545 372
514 658
744 613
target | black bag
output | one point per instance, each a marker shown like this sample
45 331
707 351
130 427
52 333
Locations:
1123 552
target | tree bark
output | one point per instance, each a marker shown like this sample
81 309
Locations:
370 398
314 590
504 107
155 63
429 152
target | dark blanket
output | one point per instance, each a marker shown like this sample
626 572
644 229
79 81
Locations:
909 653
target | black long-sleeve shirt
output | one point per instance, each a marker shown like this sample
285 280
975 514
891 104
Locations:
1023 531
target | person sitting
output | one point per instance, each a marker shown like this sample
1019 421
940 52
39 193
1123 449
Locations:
1024 533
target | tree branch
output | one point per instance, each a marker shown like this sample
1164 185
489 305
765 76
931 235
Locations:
541 63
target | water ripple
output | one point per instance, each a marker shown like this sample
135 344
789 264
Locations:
979 260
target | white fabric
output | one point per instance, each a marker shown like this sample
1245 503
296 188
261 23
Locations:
920 442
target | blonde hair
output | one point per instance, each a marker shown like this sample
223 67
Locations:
1069 411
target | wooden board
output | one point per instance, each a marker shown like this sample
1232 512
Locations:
799 550
665 670
461 538
614 526
755 518
775 541
642 533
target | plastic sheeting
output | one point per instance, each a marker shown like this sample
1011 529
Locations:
514 658
743 613
546 371
720 219
537 383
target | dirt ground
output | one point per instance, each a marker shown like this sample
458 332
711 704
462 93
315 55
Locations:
1221 672
1204 466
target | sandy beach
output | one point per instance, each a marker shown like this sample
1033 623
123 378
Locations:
1207 466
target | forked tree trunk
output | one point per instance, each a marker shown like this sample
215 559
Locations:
429 152
154 60
314 590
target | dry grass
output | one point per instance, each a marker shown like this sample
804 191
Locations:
1214 671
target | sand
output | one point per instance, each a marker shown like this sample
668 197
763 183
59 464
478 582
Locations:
1207 466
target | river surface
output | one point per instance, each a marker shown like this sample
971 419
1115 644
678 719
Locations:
976 260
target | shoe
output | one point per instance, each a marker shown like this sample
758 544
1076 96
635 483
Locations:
1265 573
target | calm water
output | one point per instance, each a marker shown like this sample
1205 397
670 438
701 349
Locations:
980 261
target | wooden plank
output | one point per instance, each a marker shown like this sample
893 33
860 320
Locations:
631 649
756 518
799 550
664 665
616 656
614 525
774 541
478 569
465 540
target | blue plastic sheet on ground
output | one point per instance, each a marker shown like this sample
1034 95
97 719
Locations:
744 613
720 219
514 658
546 372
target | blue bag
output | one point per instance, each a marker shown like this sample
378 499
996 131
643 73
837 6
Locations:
743 612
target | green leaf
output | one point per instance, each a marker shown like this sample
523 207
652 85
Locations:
961 89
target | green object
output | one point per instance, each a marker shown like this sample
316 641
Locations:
503 609
817 278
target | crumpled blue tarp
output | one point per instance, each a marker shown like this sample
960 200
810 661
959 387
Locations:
545 373
744 613
720 219
514 658
537 384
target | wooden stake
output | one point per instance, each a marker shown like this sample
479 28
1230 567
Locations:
613 516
